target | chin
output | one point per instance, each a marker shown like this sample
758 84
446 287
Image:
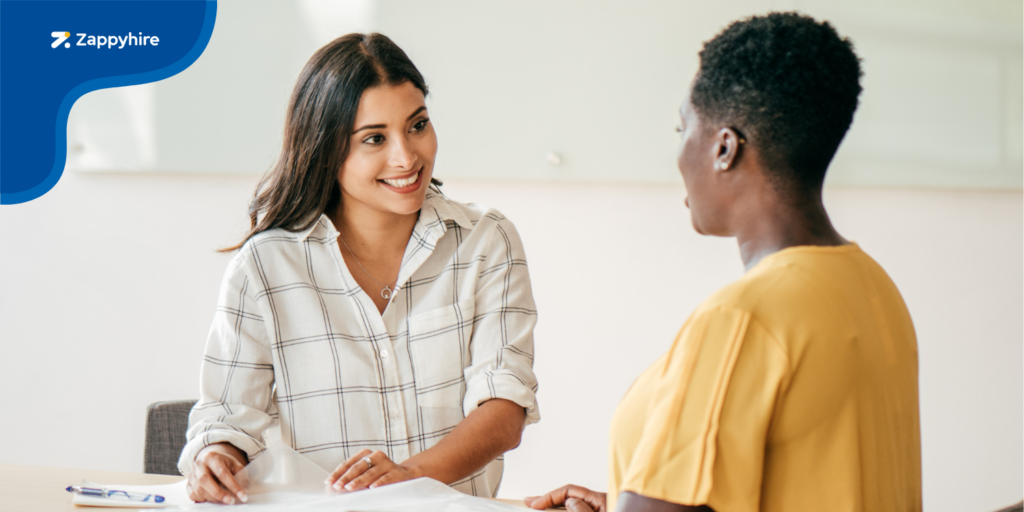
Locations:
407 206
694 221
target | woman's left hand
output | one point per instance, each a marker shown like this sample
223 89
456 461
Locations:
355 474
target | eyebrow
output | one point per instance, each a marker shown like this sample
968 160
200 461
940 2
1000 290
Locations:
379 126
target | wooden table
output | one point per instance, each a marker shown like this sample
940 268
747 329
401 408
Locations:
41 489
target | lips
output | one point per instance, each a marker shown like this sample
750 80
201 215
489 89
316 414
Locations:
404 184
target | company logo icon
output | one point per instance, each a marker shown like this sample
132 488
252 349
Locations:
61 37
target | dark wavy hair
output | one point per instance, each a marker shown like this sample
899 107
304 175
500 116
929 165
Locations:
318 125
789 83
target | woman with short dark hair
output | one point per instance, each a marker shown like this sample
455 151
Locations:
794 388
387 329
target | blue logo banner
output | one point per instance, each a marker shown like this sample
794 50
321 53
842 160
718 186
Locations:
53 52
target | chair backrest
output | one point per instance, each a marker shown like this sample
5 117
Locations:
166 423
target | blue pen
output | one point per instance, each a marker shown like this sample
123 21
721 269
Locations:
107 493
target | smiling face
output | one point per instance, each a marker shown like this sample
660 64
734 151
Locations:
391 151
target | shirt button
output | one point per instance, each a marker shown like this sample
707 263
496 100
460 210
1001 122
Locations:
383 353
394 416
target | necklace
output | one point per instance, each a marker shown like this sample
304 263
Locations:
386 292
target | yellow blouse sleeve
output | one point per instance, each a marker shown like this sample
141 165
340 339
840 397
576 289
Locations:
704 440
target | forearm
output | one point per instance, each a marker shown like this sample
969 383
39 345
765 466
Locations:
493 428
236 386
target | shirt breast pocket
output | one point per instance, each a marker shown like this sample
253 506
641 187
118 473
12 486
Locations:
439 346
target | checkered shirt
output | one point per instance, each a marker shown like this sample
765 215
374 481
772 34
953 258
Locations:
295 342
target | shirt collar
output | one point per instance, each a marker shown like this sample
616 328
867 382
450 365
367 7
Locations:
437 207
434 214
322 222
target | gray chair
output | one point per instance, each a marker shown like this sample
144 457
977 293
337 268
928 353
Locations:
166 423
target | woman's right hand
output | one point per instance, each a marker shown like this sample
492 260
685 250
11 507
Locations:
574 497
213 475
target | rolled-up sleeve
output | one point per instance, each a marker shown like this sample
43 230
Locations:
236 402
501 346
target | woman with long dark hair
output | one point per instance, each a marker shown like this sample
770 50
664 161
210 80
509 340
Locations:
387 329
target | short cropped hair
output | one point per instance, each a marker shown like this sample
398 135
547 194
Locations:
787 82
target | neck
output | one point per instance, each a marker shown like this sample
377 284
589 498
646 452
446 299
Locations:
372 233
771 225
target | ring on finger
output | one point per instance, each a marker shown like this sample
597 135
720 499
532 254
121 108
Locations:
369 464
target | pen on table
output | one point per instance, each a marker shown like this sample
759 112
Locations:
103 492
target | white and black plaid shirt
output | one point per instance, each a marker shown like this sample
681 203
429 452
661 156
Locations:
296 342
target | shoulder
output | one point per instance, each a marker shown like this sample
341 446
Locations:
264 246
757 287
804 292
793 277
477 220
771 298
479 229
278 247
285 240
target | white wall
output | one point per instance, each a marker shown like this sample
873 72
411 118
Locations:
108 284
941 105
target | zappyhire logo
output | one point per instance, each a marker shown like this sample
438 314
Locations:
103 42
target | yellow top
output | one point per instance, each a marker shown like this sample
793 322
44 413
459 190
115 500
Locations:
793 389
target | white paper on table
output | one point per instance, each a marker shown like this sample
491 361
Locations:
282 469
281 479
420 495
281 475
174 495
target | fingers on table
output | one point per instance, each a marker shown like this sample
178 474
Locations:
577 505
224 468
193 494
559 497
552 499
390 477
365 477
352 468
198 495
207 487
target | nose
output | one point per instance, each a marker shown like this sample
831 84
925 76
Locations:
402 155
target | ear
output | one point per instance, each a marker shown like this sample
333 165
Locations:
726 148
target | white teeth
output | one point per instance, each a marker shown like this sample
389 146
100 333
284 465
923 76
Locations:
404 182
